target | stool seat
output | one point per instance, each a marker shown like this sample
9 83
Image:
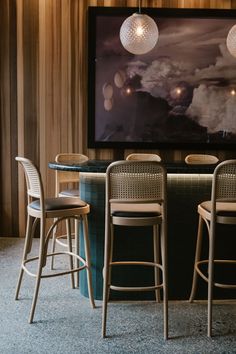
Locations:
69 192
58 203
227 209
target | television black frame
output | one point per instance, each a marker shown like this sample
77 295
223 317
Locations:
96 11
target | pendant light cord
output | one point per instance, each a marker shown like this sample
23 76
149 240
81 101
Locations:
139 6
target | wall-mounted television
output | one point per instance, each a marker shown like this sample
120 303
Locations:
182 94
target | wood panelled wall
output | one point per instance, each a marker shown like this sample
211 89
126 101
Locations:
43 90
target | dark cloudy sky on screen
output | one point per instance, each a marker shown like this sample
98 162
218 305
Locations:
191 51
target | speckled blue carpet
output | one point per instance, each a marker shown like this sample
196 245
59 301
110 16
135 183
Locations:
65 323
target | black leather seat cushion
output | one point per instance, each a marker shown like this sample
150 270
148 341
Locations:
59 203
222 208
135 214
70 192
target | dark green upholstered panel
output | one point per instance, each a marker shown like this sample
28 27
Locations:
92 190
185 191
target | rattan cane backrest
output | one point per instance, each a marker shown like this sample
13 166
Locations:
33 178
201 159
72 157
145 157
136 181
224 181
63 177
68 176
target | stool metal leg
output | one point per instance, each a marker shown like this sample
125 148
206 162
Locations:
156 250
106 272
27 246
210 277
77 222
110 259
69 244
88 260
197 258
36 290
53 245
165 278
41 262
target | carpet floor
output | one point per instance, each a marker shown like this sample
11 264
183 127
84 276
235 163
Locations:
65 323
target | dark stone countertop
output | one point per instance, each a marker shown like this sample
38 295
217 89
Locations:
101 166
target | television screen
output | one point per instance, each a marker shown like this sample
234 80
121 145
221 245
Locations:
181 94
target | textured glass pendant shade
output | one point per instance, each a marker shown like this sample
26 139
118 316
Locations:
231 41
139 34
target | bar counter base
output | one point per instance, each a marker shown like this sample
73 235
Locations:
185 192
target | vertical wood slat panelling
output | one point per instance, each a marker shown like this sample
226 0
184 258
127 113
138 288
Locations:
44 80
20 114
50 109
27 92
6 212
46 94
55 43
5 206
65 125
13 221
30 79
8 120
74 42
80 133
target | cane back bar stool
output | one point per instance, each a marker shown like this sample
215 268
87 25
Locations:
221 209
67 178
39 209
136 196
139 156
143 156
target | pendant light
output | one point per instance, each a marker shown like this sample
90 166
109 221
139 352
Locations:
139 33
231 41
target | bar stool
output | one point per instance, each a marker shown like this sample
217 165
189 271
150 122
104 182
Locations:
69 179
136 196
39 209
149 157
143 156
221 209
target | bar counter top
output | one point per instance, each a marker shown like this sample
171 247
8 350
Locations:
101 166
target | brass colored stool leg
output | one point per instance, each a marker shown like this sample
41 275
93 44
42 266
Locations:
197 258
27 246
156 249
210 277
69 244
88 260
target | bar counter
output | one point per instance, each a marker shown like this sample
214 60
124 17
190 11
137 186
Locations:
187 186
